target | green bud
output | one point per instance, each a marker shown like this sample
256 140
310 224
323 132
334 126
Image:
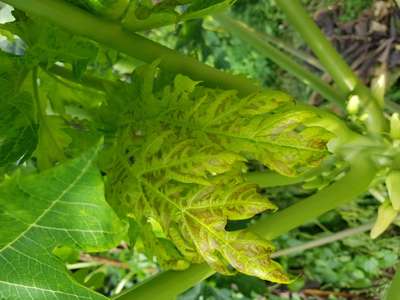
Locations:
386 215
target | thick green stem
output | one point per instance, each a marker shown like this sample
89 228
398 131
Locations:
113 35
258 41
331 60
361 174
393 293
167 285
359 177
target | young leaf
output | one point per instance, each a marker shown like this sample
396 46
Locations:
62 206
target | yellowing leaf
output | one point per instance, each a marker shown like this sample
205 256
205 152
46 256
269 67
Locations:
264 126
182 167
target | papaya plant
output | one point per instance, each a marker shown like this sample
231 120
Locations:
160 158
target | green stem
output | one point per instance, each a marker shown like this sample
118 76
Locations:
359 177
297 53
331 60
301 55
113 35
258 41
168 285
362 172
393 293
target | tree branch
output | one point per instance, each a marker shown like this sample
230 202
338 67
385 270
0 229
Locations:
114 36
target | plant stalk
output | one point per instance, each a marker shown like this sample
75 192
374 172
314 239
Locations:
393 293
334 64
258 41
358 178
114 36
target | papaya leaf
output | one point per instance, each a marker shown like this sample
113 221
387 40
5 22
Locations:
180 168
265 126
61 206
193 207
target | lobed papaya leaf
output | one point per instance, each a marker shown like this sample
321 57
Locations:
62 206
181 167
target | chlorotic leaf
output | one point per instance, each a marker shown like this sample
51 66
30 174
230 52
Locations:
180 165
265 126
62 206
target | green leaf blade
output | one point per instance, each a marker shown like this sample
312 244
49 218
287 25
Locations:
62 206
